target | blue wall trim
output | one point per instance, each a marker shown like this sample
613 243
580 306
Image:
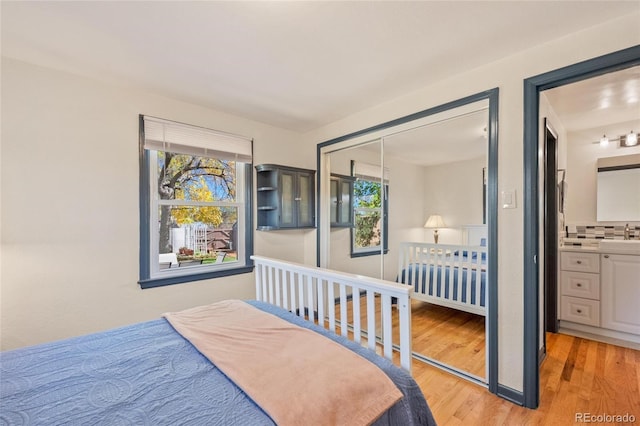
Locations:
160 282
532 87
511 394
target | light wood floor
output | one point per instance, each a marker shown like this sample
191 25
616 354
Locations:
450 336
577 376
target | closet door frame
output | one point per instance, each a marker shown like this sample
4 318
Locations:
492 212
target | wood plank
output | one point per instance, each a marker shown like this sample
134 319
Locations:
577 376
604 379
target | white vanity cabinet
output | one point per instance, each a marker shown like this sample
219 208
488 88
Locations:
580 288
620 298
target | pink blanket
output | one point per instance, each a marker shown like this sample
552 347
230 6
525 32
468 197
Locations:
295 375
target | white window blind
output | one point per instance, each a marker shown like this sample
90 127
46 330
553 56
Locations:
171 136
369 172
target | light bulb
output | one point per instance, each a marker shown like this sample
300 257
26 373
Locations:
604 140
632 139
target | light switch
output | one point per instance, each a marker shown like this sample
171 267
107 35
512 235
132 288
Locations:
509 199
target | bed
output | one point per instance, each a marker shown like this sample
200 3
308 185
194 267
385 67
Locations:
150 373
449 275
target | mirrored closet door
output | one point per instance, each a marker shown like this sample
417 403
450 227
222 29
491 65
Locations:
386 194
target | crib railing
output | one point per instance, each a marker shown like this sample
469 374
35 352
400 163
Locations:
456 270
317 293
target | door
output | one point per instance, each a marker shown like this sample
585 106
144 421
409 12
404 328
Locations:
620 292
550 285
288 199
304 199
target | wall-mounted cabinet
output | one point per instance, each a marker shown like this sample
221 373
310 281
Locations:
286 197
341 189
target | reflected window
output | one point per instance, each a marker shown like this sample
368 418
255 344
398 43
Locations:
369 234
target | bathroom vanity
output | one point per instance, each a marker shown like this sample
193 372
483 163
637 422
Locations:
599 291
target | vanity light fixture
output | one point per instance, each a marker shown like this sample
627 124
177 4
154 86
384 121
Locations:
624 141
629 140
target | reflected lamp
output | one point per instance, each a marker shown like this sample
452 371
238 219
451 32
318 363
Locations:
434 222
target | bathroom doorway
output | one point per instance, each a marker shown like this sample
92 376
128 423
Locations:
534 193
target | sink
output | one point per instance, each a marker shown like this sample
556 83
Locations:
632 246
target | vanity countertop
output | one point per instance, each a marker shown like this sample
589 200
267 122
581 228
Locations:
596 248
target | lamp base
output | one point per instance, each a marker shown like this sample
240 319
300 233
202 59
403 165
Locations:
435 236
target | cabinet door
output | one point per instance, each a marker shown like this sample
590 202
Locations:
288 196
620 286
305 206
341 195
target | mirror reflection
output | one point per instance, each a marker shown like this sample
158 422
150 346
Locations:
618 190
402 187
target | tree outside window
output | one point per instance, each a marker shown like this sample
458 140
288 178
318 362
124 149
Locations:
369 207
196 186
195 215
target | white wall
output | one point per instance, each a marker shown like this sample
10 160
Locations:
507 74
70 221
454 191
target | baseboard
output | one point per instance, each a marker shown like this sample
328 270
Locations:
511 395
611 337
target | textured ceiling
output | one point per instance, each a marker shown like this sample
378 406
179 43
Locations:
609 103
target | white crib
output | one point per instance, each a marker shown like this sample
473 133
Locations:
313 293
445 274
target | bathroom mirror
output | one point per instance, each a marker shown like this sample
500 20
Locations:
618 192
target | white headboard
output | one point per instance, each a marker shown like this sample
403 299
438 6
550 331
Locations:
472 235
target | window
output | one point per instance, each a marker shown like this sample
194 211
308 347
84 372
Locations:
195 210
370 210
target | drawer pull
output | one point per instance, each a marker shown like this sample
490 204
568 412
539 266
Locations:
579 262
578 284
606 256
579 311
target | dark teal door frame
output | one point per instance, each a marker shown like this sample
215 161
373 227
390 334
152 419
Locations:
532 87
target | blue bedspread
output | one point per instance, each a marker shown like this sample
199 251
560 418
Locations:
147 374
437 283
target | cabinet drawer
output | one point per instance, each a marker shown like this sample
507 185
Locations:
583 311
580 262
580 284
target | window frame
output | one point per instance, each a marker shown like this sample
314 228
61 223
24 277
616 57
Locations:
384 247
150 278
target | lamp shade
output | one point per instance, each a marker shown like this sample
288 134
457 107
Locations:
435 221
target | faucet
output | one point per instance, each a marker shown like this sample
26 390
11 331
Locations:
627 231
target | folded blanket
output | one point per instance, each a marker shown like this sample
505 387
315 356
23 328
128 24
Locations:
295 375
